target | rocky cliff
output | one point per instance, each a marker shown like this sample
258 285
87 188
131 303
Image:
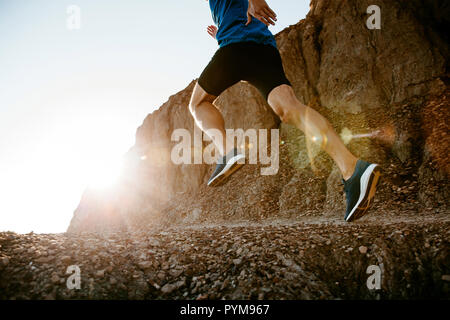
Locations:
386 90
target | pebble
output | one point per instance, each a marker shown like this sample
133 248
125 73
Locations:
446 277
65 259
169 287
4 261
100 273
176 272
55 278
145 264
237 261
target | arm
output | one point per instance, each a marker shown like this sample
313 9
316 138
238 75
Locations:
261 11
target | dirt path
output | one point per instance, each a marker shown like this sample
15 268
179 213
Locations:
312 258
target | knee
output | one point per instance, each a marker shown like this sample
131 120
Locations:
283 94
284 103
198 97
285 114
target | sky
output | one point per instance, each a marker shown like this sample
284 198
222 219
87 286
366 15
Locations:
72 99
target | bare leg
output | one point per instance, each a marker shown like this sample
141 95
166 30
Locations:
208 117
283 101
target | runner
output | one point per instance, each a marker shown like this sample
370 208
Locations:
248 51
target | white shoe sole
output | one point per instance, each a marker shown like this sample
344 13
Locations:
229 168
368 182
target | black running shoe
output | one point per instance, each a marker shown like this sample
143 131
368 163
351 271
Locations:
226 166
360 189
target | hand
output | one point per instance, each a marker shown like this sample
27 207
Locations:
212 31
261 11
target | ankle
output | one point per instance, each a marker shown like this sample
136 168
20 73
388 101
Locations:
350 169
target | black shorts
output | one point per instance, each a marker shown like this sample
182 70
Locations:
258 64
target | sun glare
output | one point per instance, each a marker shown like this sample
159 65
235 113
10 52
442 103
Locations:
104 174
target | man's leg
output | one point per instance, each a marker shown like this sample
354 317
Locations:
360 177
208 117
283 101
210 120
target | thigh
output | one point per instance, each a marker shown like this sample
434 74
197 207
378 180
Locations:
266 70
221 72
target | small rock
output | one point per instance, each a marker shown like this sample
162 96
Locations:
237 261
155 285
65 259
363 249
446 277
161 275
43 260
145 264
170 287
100 274
4 261
55 278
143 256
225 284
176 272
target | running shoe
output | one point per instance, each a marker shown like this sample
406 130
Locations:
360 189
226 166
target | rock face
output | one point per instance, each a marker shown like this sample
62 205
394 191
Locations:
388 86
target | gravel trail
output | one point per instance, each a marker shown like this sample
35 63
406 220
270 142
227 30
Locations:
303 259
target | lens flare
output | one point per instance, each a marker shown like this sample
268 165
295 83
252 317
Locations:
385 134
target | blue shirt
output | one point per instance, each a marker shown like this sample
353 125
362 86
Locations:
230 16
